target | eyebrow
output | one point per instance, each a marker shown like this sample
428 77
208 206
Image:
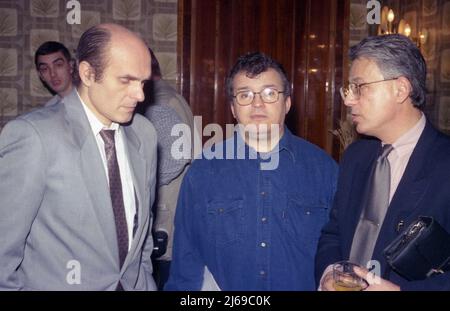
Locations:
133 78
263 87
56 60
356 80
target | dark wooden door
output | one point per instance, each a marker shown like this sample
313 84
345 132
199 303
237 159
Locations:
308 37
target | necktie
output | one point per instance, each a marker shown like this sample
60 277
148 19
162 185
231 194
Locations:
372 216
115 189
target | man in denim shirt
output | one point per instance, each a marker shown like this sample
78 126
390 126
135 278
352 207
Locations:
250 211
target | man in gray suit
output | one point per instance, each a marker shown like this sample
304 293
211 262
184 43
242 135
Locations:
77 178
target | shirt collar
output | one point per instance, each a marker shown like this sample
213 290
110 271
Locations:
405 143
95 124
285 143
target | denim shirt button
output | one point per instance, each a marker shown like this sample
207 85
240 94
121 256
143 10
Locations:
263 244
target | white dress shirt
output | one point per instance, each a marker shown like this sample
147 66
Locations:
124 166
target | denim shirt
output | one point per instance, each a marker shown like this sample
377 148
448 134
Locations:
254 229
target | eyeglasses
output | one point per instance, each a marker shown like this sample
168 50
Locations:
353 90
268 95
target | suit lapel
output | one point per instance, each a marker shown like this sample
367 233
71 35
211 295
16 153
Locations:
138 172
413 184
359 184
410 190
92 171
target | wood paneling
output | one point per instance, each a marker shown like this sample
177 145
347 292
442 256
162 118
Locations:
307 37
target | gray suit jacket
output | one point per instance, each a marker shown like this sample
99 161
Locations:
54 100
57 229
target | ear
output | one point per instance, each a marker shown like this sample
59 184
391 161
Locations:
232 109
287 103
403 89
86 72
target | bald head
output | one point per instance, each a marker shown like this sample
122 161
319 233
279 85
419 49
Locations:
118 30
96 43
114 64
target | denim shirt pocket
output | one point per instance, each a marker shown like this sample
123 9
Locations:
225 222
304 220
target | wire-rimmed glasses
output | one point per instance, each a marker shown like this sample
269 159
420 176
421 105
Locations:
353 90
268 95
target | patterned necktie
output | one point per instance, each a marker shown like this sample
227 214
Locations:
372 216
115 189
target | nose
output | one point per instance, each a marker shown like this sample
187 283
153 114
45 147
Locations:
52 72
138 92
349 101
257 100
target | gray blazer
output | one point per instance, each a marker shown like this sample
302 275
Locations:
57 229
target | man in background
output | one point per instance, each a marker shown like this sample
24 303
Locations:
55 67
166 109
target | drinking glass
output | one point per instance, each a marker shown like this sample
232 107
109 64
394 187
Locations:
345 278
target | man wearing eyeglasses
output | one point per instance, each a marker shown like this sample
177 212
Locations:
244 221
387 180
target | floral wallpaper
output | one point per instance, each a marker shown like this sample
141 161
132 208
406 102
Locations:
25 24
431 17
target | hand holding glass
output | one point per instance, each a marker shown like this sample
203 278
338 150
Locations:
345 278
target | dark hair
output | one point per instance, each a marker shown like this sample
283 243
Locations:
253 64
92 49
395 56
51 47
156 70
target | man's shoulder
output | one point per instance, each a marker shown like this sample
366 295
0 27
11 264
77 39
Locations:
162 116
444 140
42 117
43 125
362 146
212 158
440 152
54 100
142 124
301 144
306 150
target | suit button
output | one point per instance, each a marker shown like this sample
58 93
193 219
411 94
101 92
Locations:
400 226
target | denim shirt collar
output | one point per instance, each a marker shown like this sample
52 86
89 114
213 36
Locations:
285 143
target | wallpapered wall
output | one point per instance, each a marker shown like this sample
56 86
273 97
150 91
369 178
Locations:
25 24
434 17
